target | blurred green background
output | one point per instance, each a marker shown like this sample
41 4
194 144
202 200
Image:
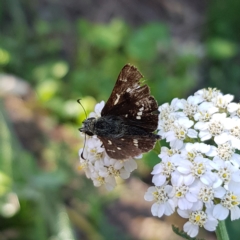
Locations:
54 52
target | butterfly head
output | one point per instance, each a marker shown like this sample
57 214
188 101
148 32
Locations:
88 126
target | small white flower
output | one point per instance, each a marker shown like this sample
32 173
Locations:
229 202
200 169
212 128
163 205
184 196
85 165
167 110
163 170
166 125
234 109
129 165
193 150
206 195
190 106
93 149
222 101
205 111
208 94
109 182
166 153
198 219
227 153
228 175
97 110
232 132
113 167
180 131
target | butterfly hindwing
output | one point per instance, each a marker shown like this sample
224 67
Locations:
127 146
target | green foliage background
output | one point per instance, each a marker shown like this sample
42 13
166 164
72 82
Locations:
37 51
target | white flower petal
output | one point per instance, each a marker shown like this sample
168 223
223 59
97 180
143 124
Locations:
148 196
157 169
183 213
220 212
200 126
191 229
169 207
159 180
211 225
222 138
192 133
124 174
232 107
184 204
191 197
189 179
235 213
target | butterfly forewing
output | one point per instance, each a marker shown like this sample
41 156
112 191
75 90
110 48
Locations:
127 81
132 101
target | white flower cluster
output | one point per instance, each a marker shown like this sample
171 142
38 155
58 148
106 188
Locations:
97 165
199 180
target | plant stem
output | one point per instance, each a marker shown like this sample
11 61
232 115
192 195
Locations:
221 231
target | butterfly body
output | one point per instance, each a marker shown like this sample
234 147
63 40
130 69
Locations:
128 119
113 127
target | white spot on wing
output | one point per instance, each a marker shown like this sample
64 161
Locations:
135 142
139 113
138 117
118 148
129 89
123 79
118 96
109 150
109 142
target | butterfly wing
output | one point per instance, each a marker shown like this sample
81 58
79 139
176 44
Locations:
132 101
127 146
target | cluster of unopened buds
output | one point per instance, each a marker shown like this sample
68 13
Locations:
199 172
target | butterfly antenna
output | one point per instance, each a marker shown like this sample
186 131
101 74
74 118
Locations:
79 101
83 148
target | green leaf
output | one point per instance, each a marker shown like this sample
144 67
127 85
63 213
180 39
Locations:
102 36
47 89
183 234
221 48
145 42
5 183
